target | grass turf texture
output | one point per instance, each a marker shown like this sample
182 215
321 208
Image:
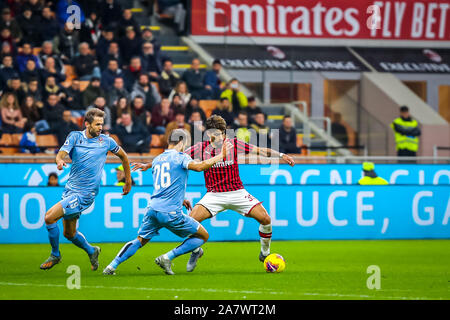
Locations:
411 269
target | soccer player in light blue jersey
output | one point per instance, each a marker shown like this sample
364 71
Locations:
170 173
88 150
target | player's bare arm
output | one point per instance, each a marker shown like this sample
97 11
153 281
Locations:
206 164
60 163
140 166
267 152
126 168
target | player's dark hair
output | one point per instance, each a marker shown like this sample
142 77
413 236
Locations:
178 135
92 113
216 122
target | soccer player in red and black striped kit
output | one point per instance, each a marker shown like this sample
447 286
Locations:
224 186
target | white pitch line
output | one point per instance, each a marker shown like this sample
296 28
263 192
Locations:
219 291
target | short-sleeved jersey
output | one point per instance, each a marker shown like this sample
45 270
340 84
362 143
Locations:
224 175
170 174
88 159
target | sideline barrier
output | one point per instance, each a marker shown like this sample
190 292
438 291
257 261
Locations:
25 174
305 212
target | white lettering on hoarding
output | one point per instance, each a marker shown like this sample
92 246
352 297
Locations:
273 211
315 210
4 218
137 210
331 216
429 210
110 209
361 208
23 210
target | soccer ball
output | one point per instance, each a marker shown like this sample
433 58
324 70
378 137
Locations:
274 263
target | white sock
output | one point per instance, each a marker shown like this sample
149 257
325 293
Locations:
265 232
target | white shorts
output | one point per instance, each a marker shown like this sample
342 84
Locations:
239 200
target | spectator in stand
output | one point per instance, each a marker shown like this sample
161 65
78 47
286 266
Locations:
193 106
224 110
161 116
7 71
52 111
113 53
15 86
127 20
74 101
151 61
30 72
242 129
262 130
110 13
178 123
130 45
252 109
132 72
197 127
86 66
92 91
34 89
288 137
50 70
102 48
120 107
181 89
51 86
47 52
407 133
28 141
139 112
35 6
52 180
67 43
132 134
49 27
7 21
8 42
30 26
66 126
100 103
30 110
24 56
168 79
11 115
91 30
213 84
237 98
118 90
195 78
338 130
176 9
147 36
112 72
147 91
176 104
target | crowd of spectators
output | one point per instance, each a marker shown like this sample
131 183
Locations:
129 77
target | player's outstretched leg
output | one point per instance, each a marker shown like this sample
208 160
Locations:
127 251
189 245
77 238
51 218
265 229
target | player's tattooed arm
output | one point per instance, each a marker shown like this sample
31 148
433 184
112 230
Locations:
126 168
206 164
267 152
60 163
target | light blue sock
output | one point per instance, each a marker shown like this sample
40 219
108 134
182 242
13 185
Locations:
188 245
80 241
53 236
128 250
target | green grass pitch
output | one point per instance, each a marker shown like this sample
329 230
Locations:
409 269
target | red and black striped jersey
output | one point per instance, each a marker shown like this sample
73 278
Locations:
224 175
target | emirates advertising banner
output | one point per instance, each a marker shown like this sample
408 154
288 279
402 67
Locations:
329 19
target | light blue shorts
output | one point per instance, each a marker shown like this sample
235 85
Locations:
75 203
179 223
